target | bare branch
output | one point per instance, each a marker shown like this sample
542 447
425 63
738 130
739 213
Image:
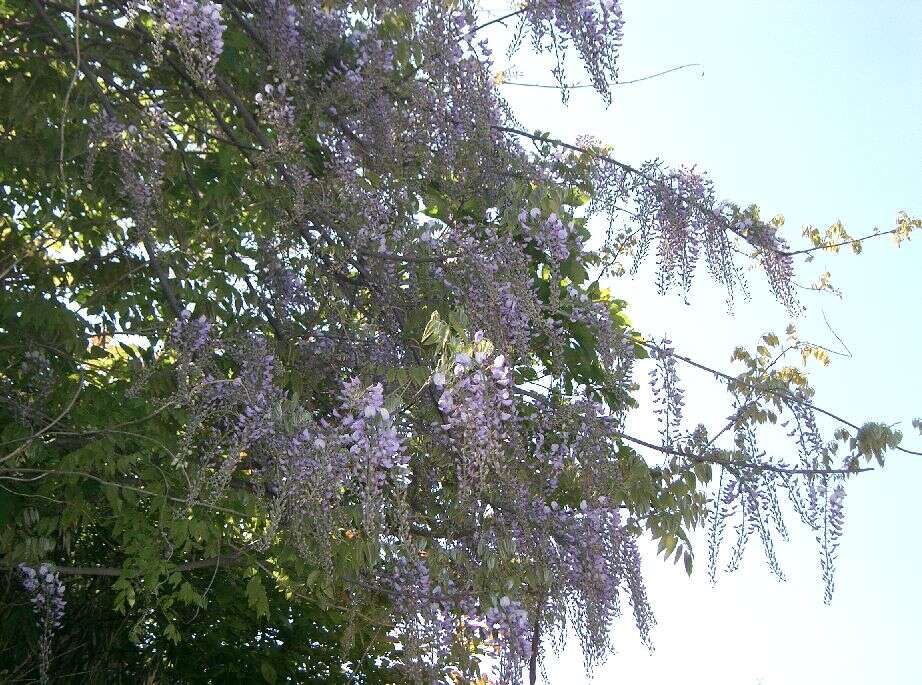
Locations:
575 86
109 571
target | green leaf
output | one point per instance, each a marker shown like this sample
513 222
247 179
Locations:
703 471
172 633
434 331
256 596
577 197
268 672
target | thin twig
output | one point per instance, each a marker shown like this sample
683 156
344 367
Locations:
49 426
574 86
44 473
109 571
712 458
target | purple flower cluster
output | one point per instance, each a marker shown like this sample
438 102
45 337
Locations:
47 592
594 28
667 392
312 471
555 456
429 618
683 201
281 30
452 98
140 149
278 114
599 559
198 30
749 492
230 418
257 394
773 253
550 234
676 210
596 317
749 496
435 618
476 406
287 293
513 636
191 335
515 317
591 561
830 535
375 449
495 278
47 596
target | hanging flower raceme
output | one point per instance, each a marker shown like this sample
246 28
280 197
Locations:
828 538
375 449
555 238
513 634
198 31
667 392
515 314
281 29
476 406
190 335
593 559
595 29
46 592
497 283
312 471
256 392
140 150
774 255
231 417
595 315
434 618
683 199
438 618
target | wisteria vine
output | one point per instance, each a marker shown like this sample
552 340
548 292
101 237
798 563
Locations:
392 342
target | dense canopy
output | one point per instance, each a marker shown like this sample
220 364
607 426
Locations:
311 369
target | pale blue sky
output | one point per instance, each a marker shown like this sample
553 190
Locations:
814 110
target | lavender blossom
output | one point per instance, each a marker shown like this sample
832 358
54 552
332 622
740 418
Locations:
47 597
198 30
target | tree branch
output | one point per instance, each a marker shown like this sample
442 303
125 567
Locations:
498 20
805 403
535 644
162 275
219 560
575 86
43 473
712 459
634 171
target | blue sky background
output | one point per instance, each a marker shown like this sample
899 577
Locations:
812 110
